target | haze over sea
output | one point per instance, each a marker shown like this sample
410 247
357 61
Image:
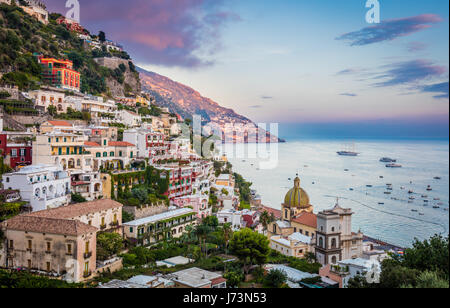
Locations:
323 176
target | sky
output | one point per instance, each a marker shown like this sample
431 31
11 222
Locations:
293 61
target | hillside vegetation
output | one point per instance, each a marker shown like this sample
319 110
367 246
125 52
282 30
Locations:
22 36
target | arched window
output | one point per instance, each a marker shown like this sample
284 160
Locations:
321 242
333 243
334 260
111 154
286 214
105 154
332 229
98 154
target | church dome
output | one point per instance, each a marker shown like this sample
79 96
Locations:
297 197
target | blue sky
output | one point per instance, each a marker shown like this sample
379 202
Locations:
280 62
293 61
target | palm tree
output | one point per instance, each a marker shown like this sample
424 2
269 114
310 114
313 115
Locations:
202 231
266 219
227 233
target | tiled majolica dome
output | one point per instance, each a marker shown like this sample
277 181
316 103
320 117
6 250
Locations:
297 197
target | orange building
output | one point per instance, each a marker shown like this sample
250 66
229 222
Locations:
60 73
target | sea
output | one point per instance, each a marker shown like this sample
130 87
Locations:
360 183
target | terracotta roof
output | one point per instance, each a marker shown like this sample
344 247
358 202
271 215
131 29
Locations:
217 281
307 219
79 209
48 225
91 144
120 144
59 123
276 213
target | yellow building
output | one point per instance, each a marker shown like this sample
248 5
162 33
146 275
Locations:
64 149
143 101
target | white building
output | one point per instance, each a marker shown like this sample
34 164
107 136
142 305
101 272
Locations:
295 245
335 239
43 186
232 217
45 98
355 267
129 118
95 105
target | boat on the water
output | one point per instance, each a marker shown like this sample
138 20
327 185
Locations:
370 186
410 192
347 153
429 188
436 207
381 203
393 166
437 178
388 160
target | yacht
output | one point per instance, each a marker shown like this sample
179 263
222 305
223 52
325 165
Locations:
388 160
429 188
393 166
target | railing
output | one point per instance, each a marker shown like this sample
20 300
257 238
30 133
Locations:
103 227
87 274
114 224
87 255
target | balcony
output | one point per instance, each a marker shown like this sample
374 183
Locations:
114 224
87 274
48 252
103 227
87 255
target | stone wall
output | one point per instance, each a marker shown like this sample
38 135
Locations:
146 211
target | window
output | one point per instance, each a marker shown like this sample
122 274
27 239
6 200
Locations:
120 153
49 267
86 250
111 154
49 246
29 263
105 154
14 153
333 243
23 152
104 142
321 242
11 244
115 218
30 244
69 249
90 223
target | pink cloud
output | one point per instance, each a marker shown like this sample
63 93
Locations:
164 32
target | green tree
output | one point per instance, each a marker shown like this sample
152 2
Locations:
429 280
77 198
250 247
266 219
52 110
429 255
108 244
102 36
275 279
234 278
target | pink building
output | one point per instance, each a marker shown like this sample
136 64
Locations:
199 203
